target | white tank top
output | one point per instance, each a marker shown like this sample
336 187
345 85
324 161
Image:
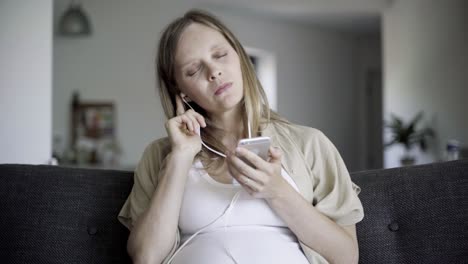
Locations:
251 232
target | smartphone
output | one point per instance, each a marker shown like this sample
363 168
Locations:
257 145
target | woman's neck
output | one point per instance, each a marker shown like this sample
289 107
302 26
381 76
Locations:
232 122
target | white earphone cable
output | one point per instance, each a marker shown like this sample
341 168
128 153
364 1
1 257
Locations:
226 212
199 133
228 209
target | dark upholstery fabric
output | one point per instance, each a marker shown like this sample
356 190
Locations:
414 215
66 215
61 215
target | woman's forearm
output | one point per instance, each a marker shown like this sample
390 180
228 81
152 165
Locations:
315 229
153 234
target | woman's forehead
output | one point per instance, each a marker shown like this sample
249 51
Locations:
197 38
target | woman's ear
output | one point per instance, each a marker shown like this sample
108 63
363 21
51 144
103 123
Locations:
185 97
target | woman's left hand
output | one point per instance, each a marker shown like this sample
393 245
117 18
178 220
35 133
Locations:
262 181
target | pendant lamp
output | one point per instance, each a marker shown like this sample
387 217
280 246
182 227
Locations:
74 22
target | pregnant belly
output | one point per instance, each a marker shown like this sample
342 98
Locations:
246 245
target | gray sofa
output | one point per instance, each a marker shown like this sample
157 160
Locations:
51 214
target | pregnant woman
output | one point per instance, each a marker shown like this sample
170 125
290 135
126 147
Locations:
198 198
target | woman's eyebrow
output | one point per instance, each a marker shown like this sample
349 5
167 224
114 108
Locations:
184 64
216 46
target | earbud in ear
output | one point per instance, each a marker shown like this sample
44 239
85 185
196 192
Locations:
184 97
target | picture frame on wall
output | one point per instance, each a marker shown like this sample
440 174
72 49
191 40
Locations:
93 133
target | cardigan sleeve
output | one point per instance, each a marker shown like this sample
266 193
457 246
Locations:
144 184
149 168
335 195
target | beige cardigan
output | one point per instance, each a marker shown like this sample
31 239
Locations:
309 157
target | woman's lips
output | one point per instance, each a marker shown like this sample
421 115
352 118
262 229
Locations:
222 88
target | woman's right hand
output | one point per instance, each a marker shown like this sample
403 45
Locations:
182 129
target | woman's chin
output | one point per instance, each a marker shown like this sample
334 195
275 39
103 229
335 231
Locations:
228 102
226 107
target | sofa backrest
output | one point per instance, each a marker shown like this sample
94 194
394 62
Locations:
52 214
414 214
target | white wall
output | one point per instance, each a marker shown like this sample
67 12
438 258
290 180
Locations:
426 68
316 79
25 81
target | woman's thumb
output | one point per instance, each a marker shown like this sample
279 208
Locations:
275 155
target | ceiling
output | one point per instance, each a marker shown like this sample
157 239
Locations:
356 16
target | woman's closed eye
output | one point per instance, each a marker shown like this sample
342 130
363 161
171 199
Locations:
193 71
220 55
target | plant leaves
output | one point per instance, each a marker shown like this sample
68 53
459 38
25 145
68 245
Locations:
408 135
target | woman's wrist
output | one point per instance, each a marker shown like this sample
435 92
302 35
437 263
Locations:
183 155
178 163
283 197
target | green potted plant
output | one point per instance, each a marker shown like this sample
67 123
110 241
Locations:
408 135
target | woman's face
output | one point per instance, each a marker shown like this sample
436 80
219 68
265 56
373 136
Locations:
207 69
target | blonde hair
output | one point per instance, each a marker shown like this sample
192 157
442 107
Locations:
255 103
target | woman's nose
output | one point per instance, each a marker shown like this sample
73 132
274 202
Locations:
214 74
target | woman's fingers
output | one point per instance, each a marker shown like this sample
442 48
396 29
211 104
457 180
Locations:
200 119
253 158
192 116
241 166
185 119
191 123
249 185
196 120
245 170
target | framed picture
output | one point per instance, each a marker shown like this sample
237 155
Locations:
93 131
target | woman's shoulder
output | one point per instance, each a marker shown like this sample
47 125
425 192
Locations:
310 141
159 144
299 132
157 150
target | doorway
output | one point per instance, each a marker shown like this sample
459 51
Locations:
373 119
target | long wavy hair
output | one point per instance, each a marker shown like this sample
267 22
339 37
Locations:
255 106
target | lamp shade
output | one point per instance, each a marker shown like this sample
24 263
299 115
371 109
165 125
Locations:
74 22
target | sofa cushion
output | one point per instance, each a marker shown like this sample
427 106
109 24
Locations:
52 214
414 214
